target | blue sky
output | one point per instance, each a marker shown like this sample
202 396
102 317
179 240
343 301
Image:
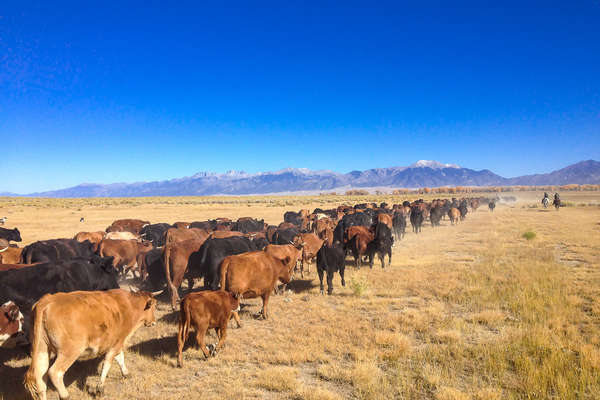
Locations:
139 91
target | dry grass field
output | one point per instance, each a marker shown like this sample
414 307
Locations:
473 311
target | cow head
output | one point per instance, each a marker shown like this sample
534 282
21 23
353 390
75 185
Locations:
148 312
11 325
234 301
17 236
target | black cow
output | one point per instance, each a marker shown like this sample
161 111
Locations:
248 225
10 234
399 224
27 285
463 209
435 215
348 220
330 260
206 262
153 268
155 233
492 205
55 250
285 236
208 225
260 243
382 244
416 218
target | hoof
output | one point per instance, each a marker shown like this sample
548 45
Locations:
322 291
212 349
95 390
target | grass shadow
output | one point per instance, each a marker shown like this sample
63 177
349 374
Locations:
155 348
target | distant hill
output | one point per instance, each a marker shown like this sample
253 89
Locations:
423 173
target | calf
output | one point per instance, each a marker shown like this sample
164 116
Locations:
11 324
359 243
416 218
330 260
381 244
205 310
310 244
454 215
399 224
92 237
83 325
254 274
492 205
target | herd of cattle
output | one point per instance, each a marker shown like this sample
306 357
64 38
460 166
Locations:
63 296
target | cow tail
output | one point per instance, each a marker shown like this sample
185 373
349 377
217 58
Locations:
39 346
224 268
184 321
167 256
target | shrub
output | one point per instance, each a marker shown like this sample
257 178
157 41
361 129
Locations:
529 235
359 286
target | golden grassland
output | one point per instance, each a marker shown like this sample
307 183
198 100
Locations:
473 311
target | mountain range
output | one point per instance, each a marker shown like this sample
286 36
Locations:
423 173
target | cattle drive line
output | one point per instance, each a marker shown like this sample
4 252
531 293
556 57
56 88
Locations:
224 253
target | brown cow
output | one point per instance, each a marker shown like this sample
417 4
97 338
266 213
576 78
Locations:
254 274
353 230
94 237
176 260
286 225
225 234
327 236
129 225
181 225
310 244
205 310
358 242
83 325
474 204
11 325
179 235
125 252
282 252
10 255
454 215
385 219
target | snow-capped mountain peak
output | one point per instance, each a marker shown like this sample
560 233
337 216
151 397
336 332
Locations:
432 164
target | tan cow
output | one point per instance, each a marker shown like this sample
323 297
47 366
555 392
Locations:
254 274
454 215
124 235
129 225
80 325
94 237
284 252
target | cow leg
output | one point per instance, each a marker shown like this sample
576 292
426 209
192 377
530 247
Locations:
320 272
106 364
382 258
265 298
120 358
236 317
200 334
41 367
342 275
190 284
329 281
222 334
57 372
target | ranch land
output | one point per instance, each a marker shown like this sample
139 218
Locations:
472 311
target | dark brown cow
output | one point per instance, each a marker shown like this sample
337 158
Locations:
128 225
205 310
254 274
179 235
176 260
125 252
310 244
286 225
11 325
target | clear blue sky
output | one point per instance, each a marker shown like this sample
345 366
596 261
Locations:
142 91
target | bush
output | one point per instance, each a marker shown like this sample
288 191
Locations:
359 286
529 235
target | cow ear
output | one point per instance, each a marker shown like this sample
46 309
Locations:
151 301
13 314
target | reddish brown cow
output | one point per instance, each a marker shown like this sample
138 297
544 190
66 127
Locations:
181 225
10 255
254 274
327 236
125 252
359 242
129 225
353 230
474 204
283 252
206 310
179 235
176 257
310 244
